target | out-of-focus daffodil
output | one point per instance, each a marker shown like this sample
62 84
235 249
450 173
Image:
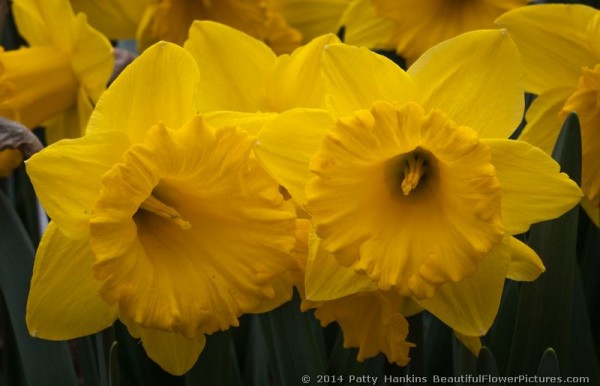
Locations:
116 19
560 47
312 18
170 20
415 187
63 71
158 219
56 79
410 27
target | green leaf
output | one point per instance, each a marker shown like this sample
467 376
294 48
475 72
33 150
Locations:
548 366
545 304
217 364
113 375
582 356
256 369
45 363
486 363
295 344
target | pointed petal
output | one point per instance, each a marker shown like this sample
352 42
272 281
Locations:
52 22
173 352
159 86
326 279
543 121
363 27
525 264
295 80
286 145
470 306
313 17
371 77
553 42
114 18
533 189
476 79
250 122
473 343
233 67
592 211
44 22
64 299
66 177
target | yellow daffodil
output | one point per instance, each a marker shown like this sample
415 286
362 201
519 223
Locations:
56 79
116 19
158 219
62 72
242 77
410 27
170 20
312 18
560 47
414 188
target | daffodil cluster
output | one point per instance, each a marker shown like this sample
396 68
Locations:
214 176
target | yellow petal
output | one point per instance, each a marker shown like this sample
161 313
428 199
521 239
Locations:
525 264
420 25
114 18
372 322
363 28
543 120
470 306
66 177
326 279
295 80
252 123
52 22
233 67
371 77
173 352
10 159
44 22
312 17
64 299
473 343
72 122
532 193
553 43
287 163
159 86
592 211
476 79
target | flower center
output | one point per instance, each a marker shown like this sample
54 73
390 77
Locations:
157 207
405 196
413 171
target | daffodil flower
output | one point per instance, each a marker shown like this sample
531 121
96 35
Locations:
414 188
62 72
170 20
158 219
312 18
560 47
410 27
56 79
116 19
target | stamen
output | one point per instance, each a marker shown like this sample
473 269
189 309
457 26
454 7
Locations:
413 171
157 207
